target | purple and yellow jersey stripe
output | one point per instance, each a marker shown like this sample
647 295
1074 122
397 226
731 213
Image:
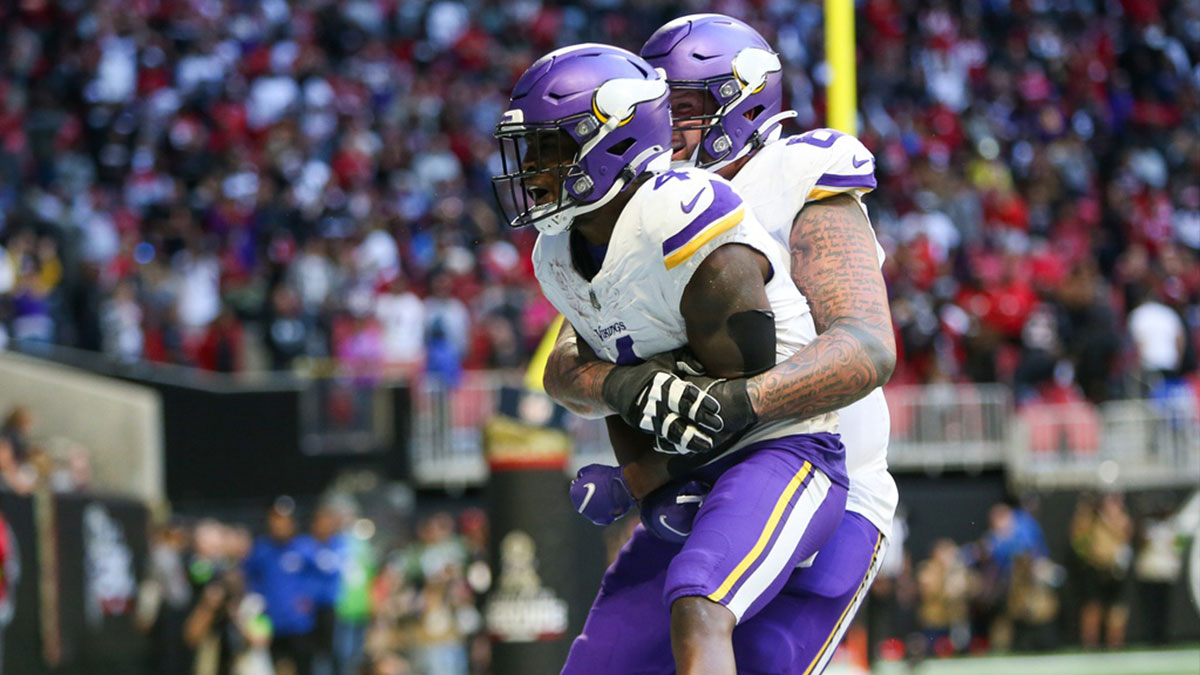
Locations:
724 213
830 184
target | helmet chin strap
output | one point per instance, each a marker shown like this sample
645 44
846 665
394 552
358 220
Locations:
759 139
768 132
652 159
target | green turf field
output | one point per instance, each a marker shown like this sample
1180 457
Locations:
1164 662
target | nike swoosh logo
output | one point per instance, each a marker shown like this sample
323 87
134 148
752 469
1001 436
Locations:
591 490
663 521
687 208
859 162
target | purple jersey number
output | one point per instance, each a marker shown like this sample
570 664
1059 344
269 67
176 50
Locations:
810 138
625 355
665 177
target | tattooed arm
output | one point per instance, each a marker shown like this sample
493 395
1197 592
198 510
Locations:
834 264
575 375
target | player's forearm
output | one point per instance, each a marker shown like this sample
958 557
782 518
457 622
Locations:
842 365
835 265
576 379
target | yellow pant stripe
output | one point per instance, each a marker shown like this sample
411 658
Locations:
772 522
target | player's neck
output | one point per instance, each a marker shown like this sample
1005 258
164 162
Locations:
731 170
597 226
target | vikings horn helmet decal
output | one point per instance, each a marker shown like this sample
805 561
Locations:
732 63
583 123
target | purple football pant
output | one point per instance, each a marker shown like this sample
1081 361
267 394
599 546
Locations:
763 517
629 628
798 632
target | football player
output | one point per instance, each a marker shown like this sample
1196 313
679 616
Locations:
806 190
643 260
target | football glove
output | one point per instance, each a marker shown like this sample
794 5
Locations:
650 397
717 417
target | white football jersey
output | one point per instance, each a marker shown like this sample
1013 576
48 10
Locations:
776 183
629 311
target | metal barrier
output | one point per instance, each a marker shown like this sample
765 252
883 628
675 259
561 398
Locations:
941 426
447 429
1120 444
934 428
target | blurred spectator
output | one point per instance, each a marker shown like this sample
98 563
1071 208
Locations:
1013 532
1088 331
402 316
165 600
18 424
15 476
1032 602
1159 336
354 601
359 346
60 465
288 333
447 330
229 630
121 324
196 275
1100 536
281 568
17 473
221 348
942 612
330 550
10 574
226 628
1156 568
426 603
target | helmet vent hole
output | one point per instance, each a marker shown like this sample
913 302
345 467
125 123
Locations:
752 114
620 148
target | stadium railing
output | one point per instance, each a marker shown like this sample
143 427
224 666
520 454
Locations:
1127 444
935 428
948 426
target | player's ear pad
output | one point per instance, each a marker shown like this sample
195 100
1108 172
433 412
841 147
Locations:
753 331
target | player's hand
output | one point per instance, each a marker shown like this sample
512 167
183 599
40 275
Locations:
650 397
668 512
719 415
599 493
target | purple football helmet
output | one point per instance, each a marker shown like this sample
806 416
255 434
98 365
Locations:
584 122
730 61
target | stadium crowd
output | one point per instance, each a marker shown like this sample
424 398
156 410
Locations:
1005 589
335 600
238 185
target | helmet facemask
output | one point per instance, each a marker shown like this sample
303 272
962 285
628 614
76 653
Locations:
541 177
737 112
553 171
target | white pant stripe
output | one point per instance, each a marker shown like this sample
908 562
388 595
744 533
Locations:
848 618
791 531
